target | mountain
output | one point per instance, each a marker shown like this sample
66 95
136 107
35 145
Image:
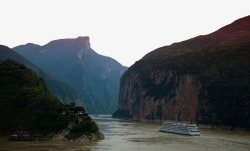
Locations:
236 33
94 76
204 79
25 101
28 107
60 89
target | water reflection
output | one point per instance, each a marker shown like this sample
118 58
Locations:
122 135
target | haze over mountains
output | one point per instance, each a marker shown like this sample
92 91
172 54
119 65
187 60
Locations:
94 76
203 79
28 107
60 89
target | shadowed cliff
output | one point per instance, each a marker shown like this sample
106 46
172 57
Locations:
204 79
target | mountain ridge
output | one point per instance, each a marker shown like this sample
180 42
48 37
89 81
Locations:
204 79
60 89
28 107
235 33
95 76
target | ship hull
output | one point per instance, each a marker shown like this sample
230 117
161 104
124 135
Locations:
180 128
181 133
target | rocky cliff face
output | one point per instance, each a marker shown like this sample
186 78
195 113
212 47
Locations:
94 76
180 99
192 80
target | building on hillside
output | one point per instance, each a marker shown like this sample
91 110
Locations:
72 109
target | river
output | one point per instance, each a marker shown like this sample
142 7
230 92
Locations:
122 135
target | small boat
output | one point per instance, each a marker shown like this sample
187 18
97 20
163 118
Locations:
20 137
180 128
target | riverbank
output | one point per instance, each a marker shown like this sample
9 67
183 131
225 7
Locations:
124 135
59 137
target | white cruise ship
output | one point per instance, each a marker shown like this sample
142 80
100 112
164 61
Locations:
180 128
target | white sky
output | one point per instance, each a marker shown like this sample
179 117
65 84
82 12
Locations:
125 30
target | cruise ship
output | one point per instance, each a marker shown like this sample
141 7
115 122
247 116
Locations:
180 128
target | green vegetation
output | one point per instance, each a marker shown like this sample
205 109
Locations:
25 102
224 73
85 127
27 105
225 79
57 87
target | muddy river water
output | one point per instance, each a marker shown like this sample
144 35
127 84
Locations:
122 135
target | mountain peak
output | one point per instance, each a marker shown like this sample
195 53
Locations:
84 40
80 42
29 45
32 45
94 76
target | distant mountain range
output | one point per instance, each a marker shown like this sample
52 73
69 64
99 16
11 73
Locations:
94 76
204 79
60 89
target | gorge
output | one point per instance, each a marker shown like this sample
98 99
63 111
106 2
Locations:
204 79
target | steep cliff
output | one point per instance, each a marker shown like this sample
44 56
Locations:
165 95
94 76
203 79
